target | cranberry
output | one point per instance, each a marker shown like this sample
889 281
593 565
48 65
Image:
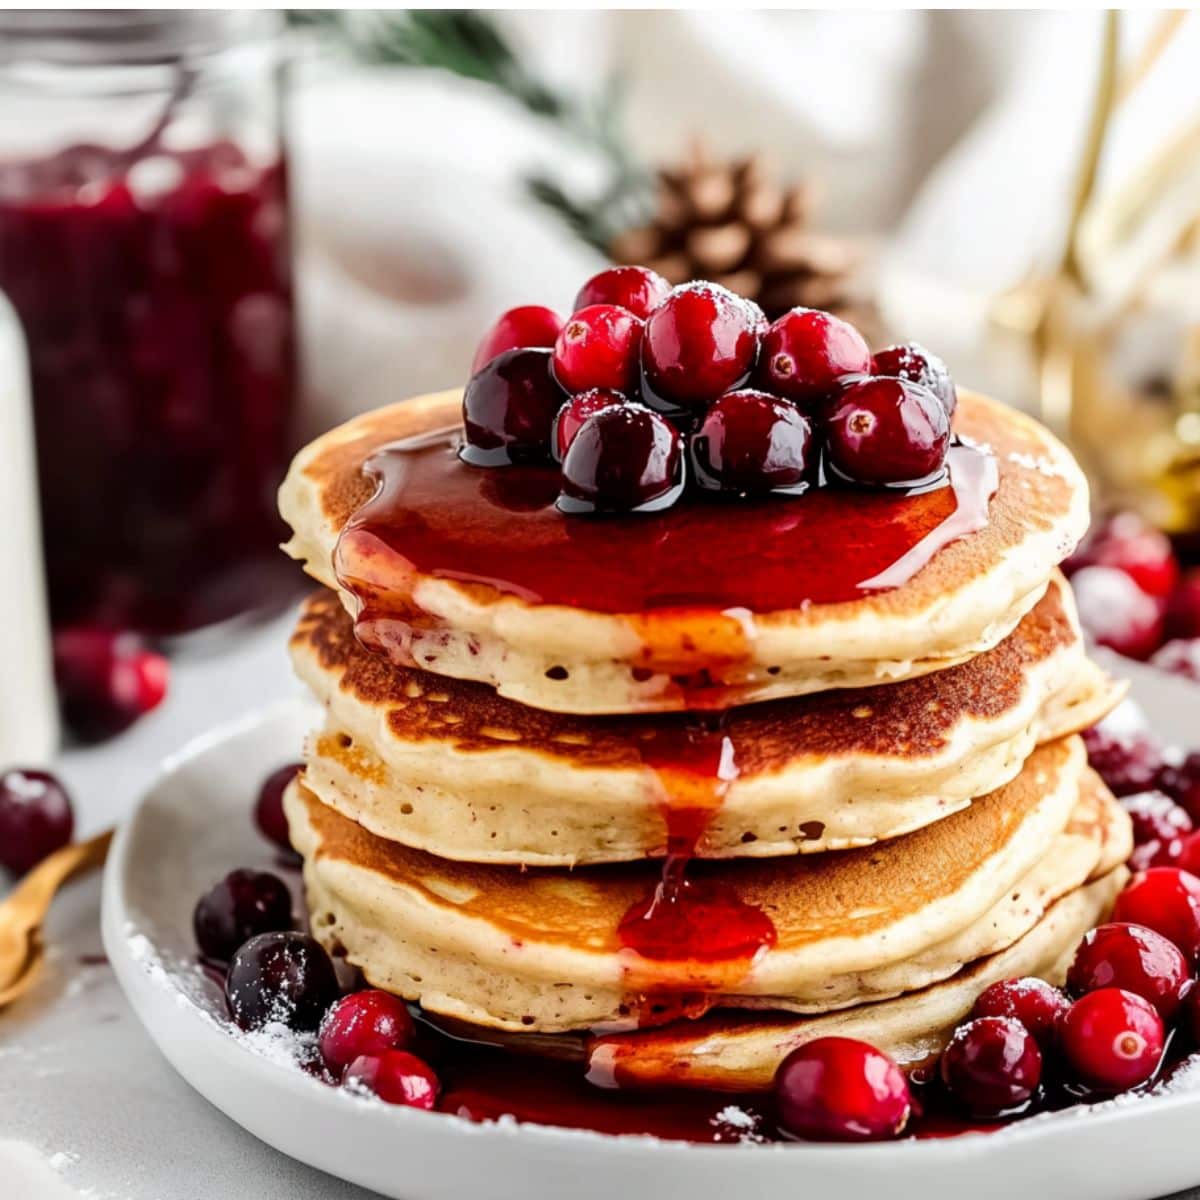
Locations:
1155 816
753 443
1134 958
35 818
1190 1014
638 289
598 348
1166 900
699 343
268 810
839 1089
531 325
1127 762
1181 781
806 354
1181 656
1183 607
508 409
365 1023
1128 544
992 1066
1033 1002
623 459
1112 1039
1186 854
231 912
280 977
1116 612
887 431
106 680
577 410
1158 852
916 364
396 1077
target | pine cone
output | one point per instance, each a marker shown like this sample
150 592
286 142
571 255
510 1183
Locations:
733 224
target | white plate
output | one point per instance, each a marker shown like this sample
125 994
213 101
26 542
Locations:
193 826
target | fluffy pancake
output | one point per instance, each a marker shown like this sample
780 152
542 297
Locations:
541 949
450 767
570 658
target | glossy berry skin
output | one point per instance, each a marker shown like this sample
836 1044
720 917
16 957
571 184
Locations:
243 904
1155 816
1116 613
520 328
35 818
913 362
885 432
577 410
624 459
268 809
365 1023
1183 607
1166 900
752 443
508 409
1033 1002
395 1077
1181 781
1156 853
1128 544
598 347
841 1090
699 343
1185 854
637 289
992 1066
1134 958
281 977
1111 1040
807 354
1127 762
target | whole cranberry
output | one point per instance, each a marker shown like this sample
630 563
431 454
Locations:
1181 781
1186 854
839 1089
1032 1001
1183 607
1127 761
106 680
807 353
1158 852
35 818
243 904
887 431
577 410
508 409
624 459
913 362
1111 1039
283 977
1166 900
1116 612
598 348
1180 656
699 343
1155 816
364 1023
268 809
530 325
638 289
752 443
1128 544
1134 958
992 1066
395 1077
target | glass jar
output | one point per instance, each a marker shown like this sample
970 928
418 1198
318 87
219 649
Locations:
144 243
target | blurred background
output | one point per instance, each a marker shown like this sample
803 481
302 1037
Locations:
221 232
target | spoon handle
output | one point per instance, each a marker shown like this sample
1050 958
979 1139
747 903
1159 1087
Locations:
34 893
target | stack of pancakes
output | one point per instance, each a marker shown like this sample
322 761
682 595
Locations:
894 789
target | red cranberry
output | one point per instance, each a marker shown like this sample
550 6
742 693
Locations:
887 431
106 680
1127 762
598 348
508 409
1190 1014
1155 816
624 459
1116 612
577 410
806 353
1033 1002
280 977
1112 1039
1166 900
839 1089
35 818
1134 958
992 1066
1186 854
243 904
1183 607
396 1077
916 364
638 289
364 1024
699 343
1158 852
530 325
753 443
1180 656
268 810
1128 544
1181 781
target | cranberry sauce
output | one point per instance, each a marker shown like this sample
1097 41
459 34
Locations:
156 299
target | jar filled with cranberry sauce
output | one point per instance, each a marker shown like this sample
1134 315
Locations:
144 245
